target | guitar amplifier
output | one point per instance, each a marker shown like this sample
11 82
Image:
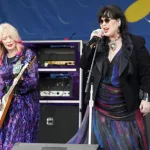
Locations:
59 85
56 55
55 85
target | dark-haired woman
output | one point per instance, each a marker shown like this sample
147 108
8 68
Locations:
121 71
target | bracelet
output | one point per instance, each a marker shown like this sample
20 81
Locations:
146 96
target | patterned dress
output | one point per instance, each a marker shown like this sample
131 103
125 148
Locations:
113 127
21 122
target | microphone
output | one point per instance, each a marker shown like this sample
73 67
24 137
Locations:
93 40
96 38
70 36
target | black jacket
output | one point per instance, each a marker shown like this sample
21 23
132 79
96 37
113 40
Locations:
134 69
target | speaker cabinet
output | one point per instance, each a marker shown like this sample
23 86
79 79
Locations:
58 122
38 146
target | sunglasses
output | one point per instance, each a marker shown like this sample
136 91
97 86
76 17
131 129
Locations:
106 20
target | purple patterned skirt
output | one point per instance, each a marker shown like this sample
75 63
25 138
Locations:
113 127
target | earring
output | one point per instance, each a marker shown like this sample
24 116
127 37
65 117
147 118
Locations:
118 31
119 22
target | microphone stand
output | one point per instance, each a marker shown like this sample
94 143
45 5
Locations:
91 101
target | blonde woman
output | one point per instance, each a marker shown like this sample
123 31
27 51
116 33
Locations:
21 122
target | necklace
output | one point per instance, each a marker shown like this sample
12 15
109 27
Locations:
112 44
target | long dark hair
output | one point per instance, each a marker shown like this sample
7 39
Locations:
114 12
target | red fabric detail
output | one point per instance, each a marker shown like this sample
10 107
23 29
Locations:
140 122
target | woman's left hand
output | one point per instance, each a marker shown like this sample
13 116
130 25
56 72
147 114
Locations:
144 107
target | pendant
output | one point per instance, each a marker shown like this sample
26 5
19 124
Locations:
112 46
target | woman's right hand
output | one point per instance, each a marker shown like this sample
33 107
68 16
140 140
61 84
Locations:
96 33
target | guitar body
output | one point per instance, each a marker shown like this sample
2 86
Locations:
4 108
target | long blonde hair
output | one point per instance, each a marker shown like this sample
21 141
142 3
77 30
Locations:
12 31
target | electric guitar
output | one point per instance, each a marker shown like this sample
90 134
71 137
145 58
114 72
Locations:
6 99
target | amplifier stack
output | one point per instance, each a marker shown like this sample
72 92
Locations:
60 88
